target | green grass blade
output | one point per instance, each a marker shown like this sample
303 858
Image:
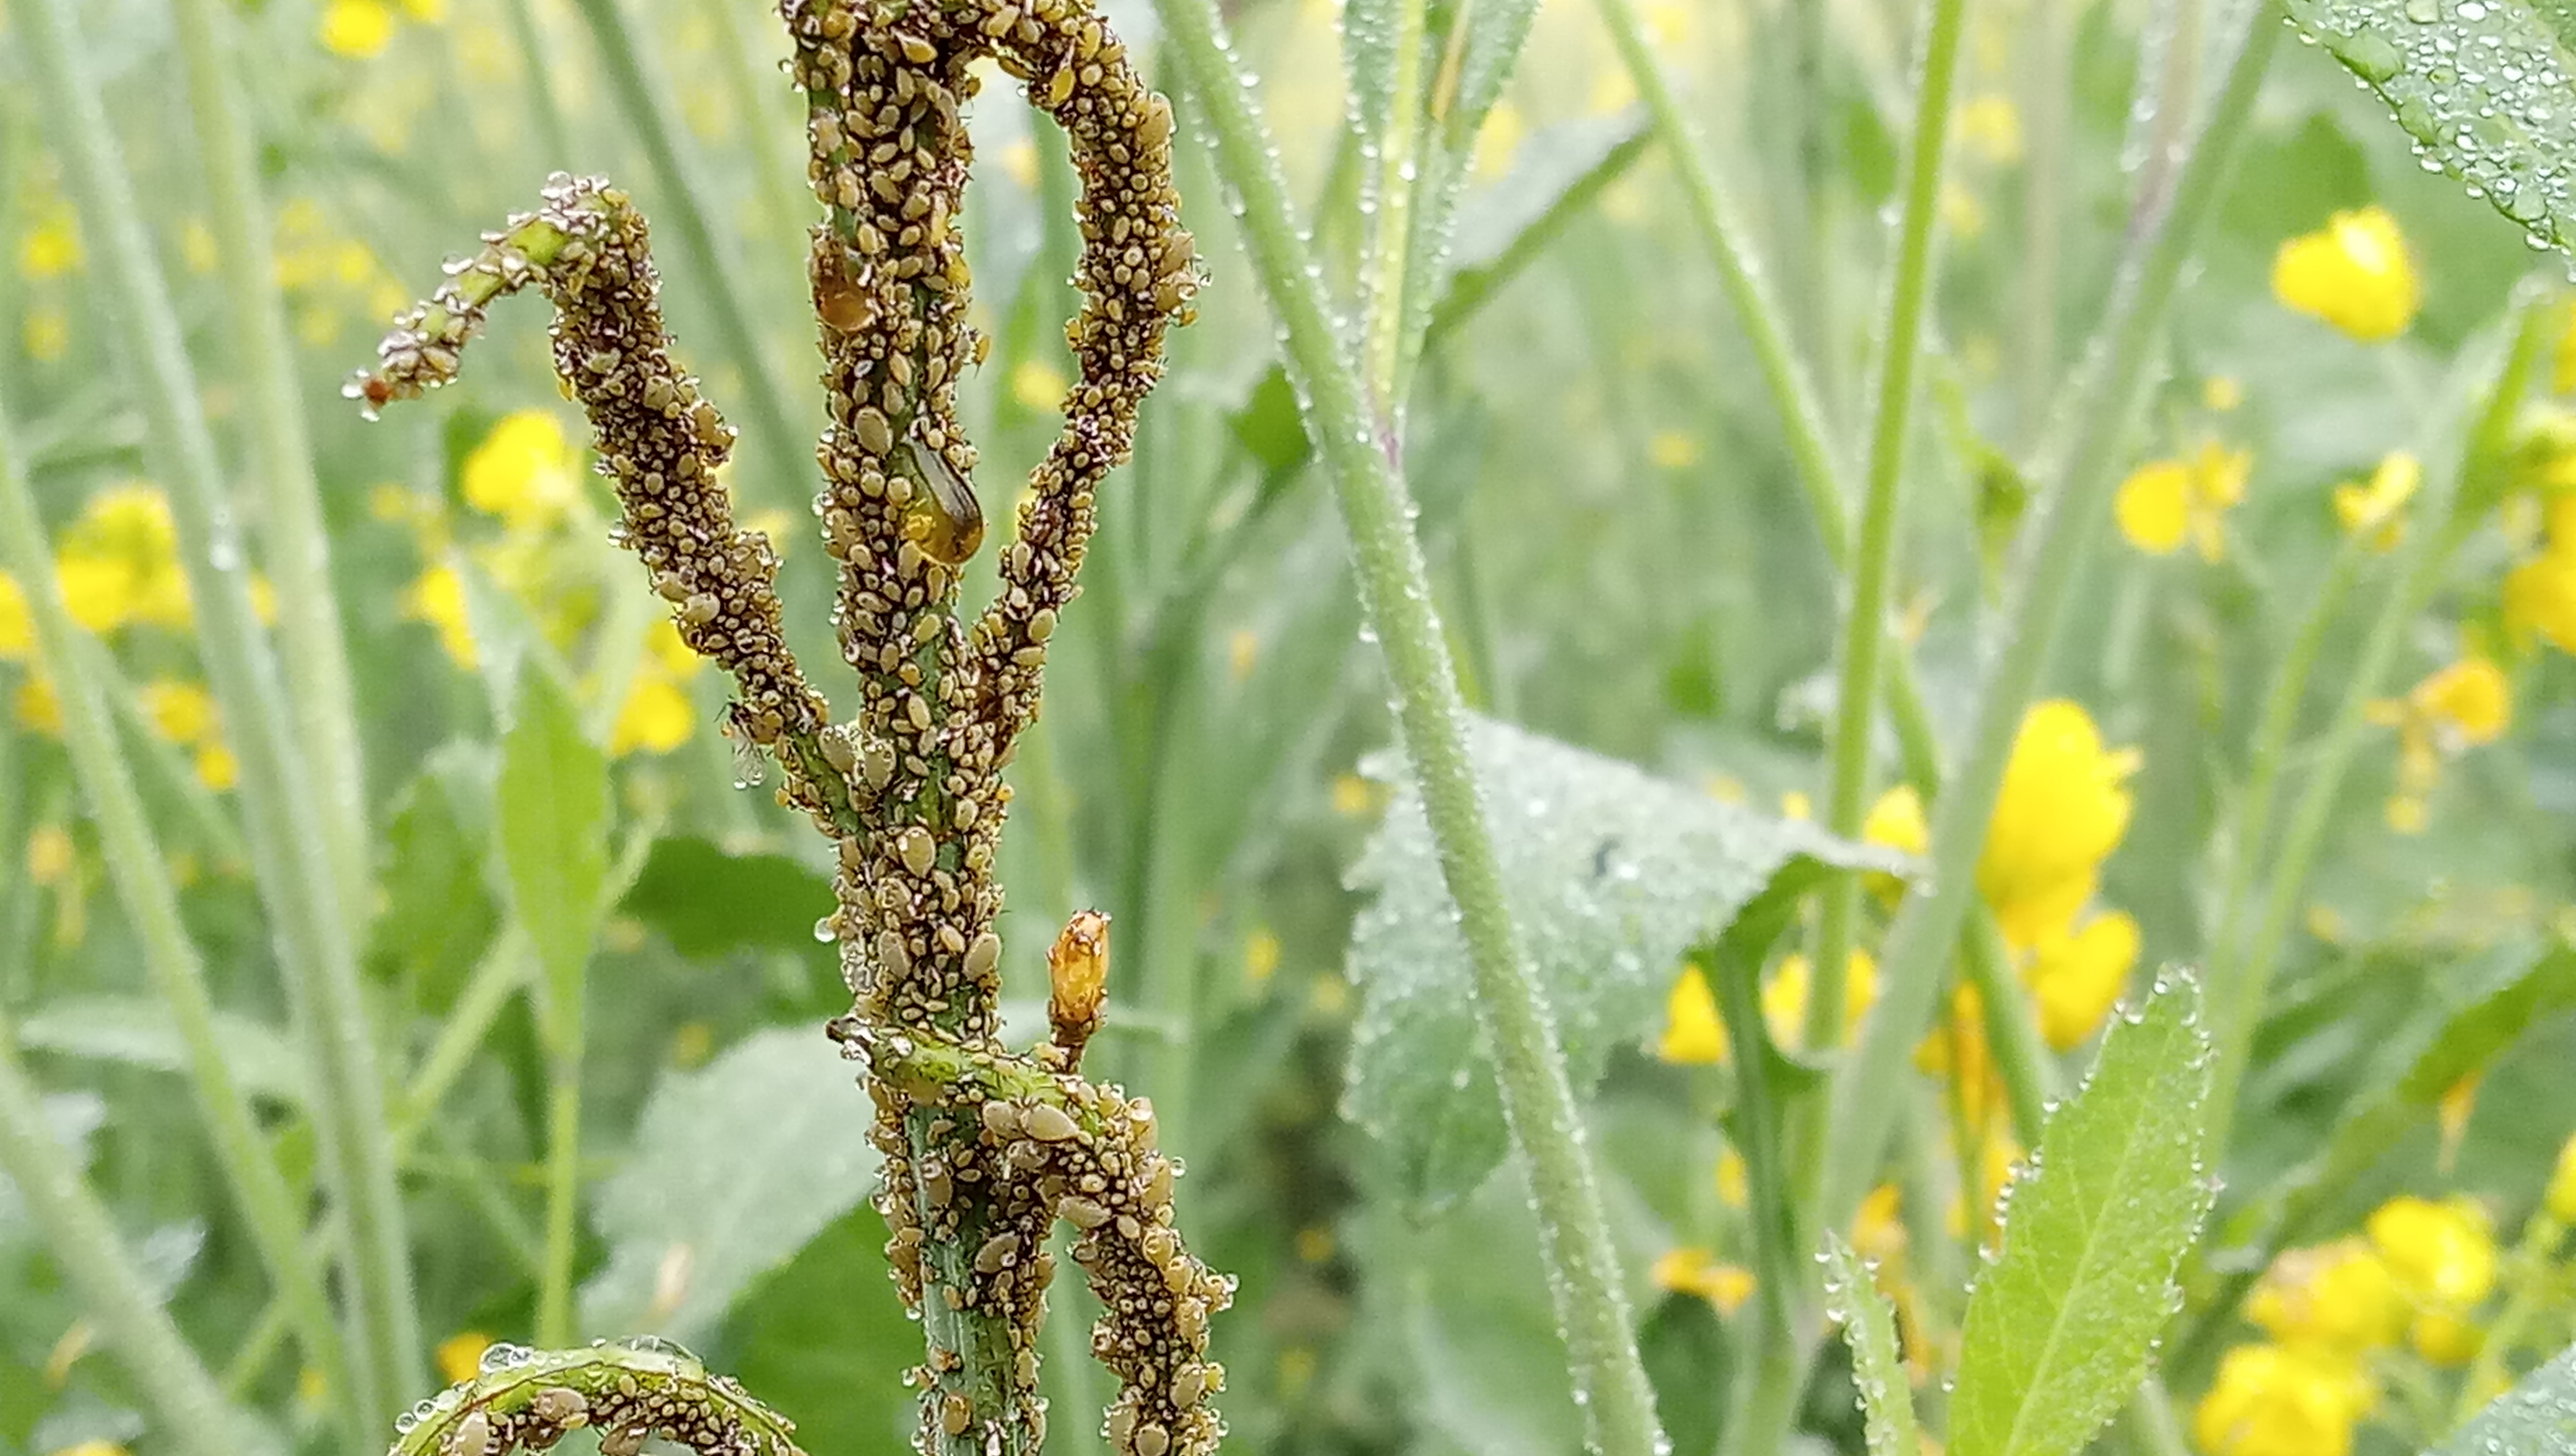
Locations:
2060 1325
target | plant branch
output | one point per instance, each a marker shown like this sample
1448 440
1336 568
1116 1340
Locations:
1377 513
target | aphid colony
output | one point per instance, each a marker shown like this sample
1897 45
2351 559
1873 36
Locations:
981 1160
627 1392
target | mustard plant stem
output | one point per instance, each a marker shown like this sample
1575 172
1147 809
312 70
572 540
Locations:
2066 524
315 657
1377 512
289 852
82 1234
1389 185
151 899
1909 299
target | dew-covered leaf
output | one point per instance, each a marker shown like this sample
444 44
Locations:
1612 874
439 911
1878 1371
2535 1418
1558 174
736 1166
2060 1324
2483 86
138 1031
553 814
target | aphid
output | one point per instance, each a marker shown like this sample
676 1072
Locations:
948 524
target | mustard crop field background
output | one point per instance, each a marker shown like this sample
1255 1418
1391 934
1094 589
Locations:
1314 727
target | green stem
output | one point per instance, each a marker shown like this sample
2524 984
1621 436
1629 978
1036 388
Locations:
2067 522
1874 563
288 849
2270 752
1538 1100
2241 978
315 656
563 1200
1390 187
642 100
152 902
2022 1060
82 1234
2043 184
504 969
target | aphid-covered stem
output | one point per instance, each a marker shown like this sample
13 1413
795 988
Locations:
983 1148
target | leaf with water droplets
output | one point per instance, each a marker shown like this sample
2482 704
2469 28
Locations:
2535 1418
1612 875
1886 1399
2059 1326
2482 85
735 1168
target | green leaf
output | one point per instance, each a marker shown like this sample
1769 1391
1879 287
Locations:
1612 875
736 1167
2535 1418
2482 86
1488 48
553 815
1886 1399
438 910
139 1031
2059 1326
708 903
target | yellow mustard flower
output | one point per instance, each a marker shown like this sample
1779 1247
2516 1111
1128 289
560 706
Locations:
2370 510
1674 450
51 245
1896 822
1037 386
2165 503
1693 1036
357 29
2221 393
17 628
1700 1273
657 717
460 1355
184 712
1733 1186
1784 997
2353 273
522 472
2337 1296
2076 977
2466 704
2063 808
92 1447
2540 600
1990 126
1356 797
2444 1339
1499 143
437 596
47 333
1261 951
2560 1200
35 706
2442 1254
119 561
2278 1400
216 767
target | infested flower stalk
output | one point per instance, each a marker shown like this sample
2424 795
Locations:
984 1148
